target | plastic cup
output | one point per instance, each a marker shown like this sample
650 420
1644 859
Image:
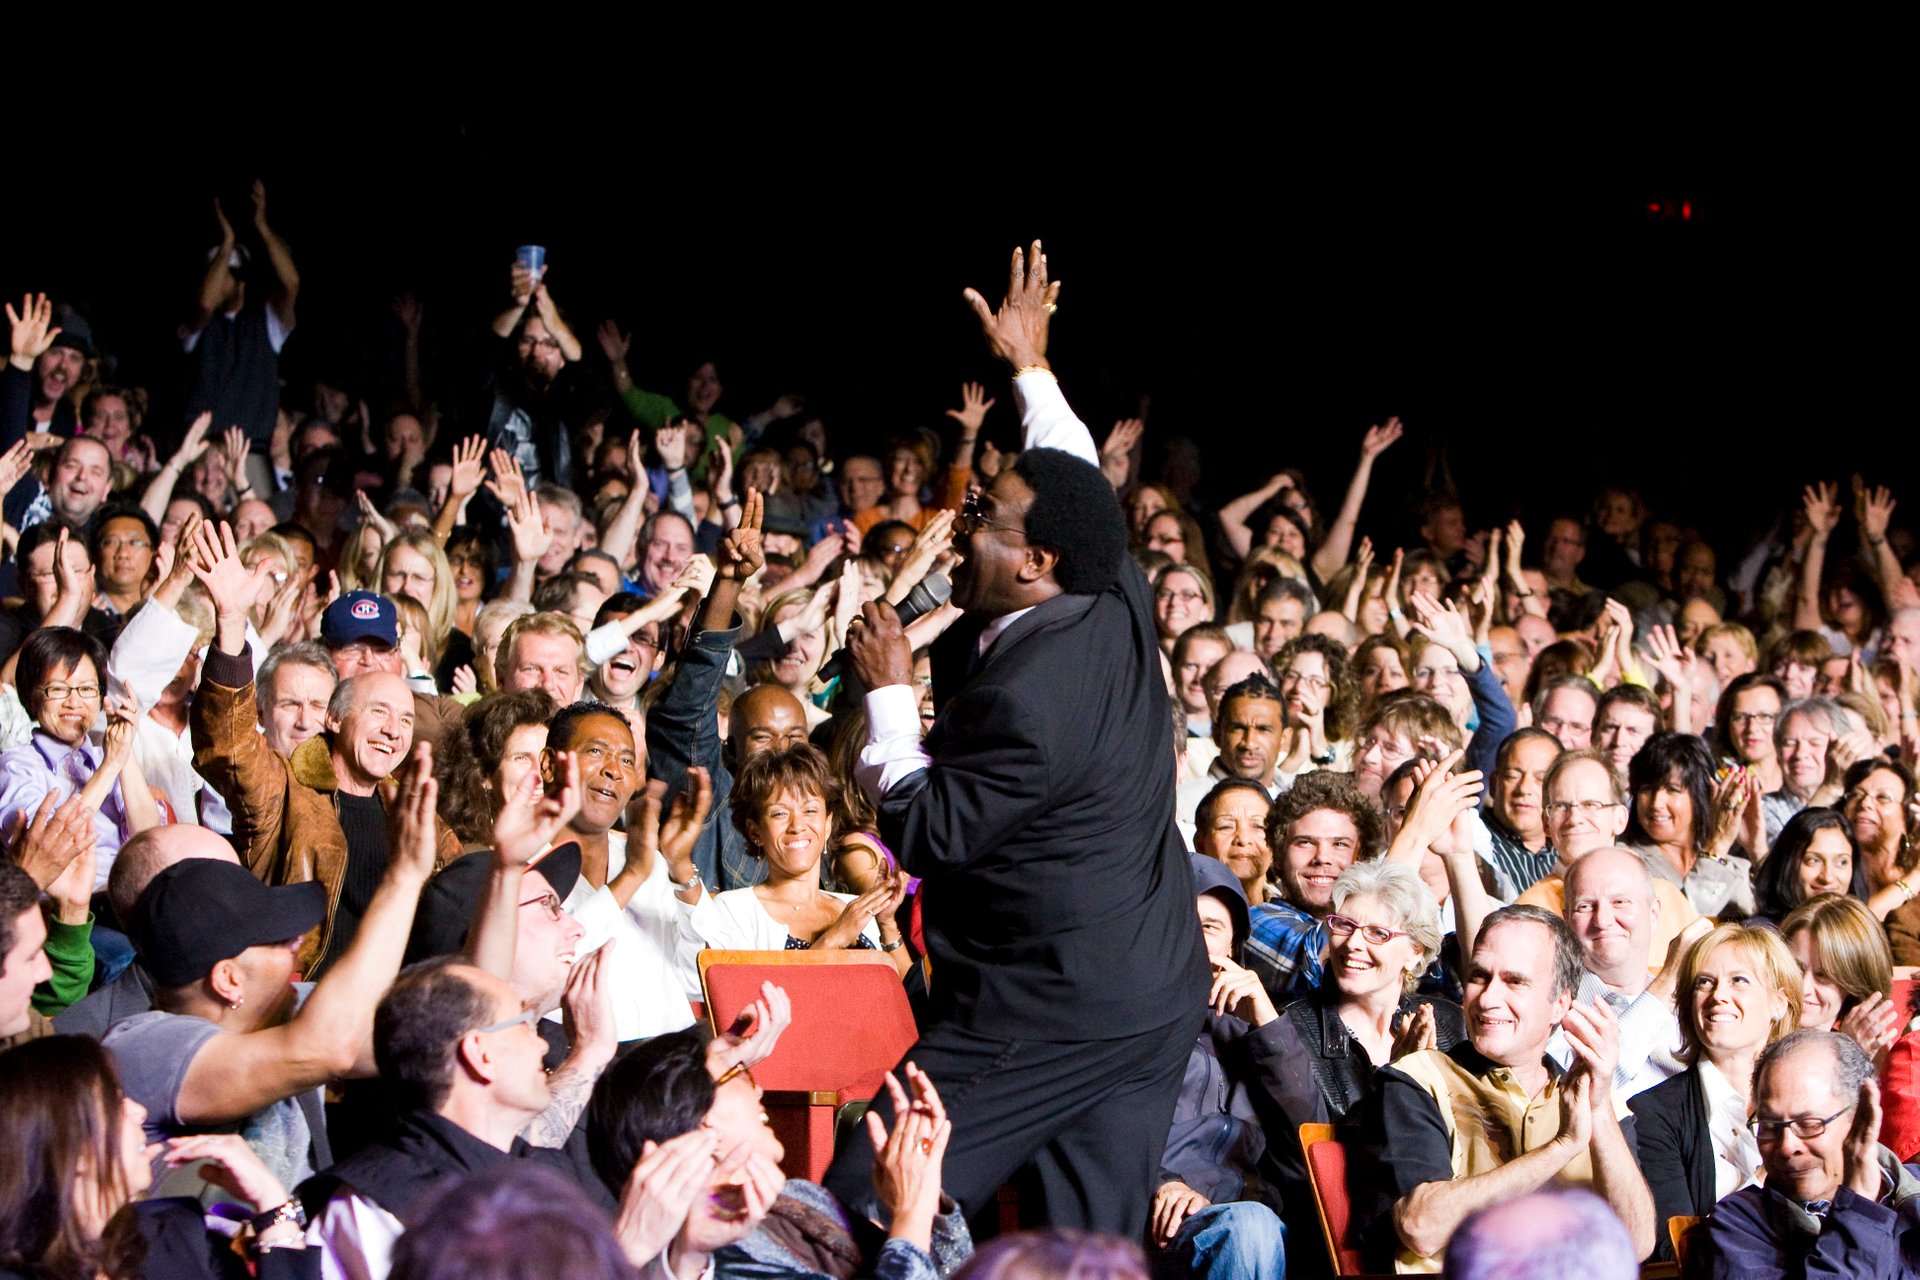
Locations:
533 257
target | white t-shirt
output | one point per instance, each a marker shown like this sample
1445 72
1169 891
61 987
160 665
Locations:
651 983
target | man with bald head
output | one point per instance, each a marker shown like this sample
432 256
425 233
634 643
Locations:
1611 908
141 858
683 726
1835 1202
321 813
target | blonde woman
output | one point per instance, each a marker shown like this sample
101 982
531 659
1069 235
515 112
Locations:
414 566
1738 990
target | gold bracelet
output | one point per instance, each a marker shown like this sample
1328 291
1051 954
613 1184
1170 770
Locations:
1906 890
1033 368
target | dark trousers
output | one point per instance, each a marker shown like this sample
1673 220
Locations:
1090 1116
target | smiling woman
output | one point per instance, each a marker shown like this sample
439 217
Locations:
783 802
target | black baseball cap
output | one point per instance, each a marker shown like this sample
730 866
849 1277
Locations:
448 903
201 911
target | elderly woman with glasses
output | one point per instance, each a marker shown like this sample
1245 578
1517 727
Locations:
1383 933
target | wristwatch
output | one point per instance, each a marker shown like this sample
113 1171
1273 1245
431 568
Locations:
292 1211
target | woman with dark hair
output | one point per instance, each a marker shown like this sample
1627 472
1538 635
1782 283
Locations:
662 1102
471 559
1812 855
910 465
59 675
1743 724
1738 991
1319 704
494 745
1672 825
783 802
1175 535
77 1159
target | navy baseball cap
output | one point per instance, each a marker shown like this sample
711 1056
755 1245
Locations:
201 911
360 615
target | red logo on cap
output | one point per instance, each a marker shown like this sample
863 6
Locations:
366 609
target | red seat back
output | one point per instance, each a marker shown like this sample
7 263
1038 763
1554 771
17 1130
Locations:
1327 1172
851 1020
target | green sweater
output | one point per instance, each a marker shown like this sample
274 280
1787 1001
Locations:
653 411
70 952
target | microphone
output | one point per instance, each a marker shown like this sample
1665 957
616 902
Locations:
929 594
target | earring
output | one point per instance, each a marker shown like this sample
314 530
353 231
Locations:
235 1004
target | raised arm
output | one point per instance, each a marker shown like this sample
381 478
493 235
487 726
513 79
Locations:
32 332
1873 511
623 530
1823 514
974 403
160 491
1234 515
1017 333
217 283
1333 551
332 1035
285 275
469 470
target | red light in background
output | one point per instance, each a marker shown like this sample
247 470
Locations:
1686 210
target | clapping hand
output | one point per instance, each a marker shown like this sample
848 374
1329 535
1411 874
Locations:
907 1160
14 465
533 812
46 843
412 837
753 1034
660 1192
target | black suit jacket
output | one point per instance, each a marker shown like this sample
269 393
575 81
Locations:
1058 900
1676 1154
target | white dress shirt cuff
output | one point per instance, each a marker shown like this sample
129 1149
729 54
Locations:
893 749
605 641
1047 421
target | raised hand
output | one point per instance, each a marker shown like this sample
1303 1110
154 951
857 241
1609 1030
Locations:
533 813
613 343
1667 656
520 286
588 1003
974 403
465 681
753 1034
259 194
1440 795
226 228
1822 504
1378 439
1442 623
1116 453
14 465
194 442
236 451
508 481
531 537
1414 1032
990 461
934 540
74 581
739 555
283 610
1874 1024
670 443
1872 510
469 468
685 819
1861 1159
1017 332
33 329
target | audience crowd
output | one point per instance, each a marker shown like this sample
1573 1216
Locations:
371 779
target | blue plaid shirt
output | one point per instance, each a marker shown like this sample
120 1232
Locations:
1285 948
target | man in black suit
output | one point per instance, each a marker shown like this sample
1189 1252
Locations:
1067 969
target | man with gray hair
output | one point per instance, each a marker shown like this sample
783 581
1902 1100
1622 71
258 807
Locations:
295 684
1815 740
1567 1234
1495 1117
1835 1202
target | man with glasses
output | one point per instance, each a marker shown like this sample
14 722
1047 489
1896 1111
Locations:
1495 1117
1058 1037
1835 1202
459 1053
1585 810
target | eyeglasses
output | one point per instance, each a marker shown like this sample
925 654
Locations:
1436 673
1753 717
1592 808
61 692
1318 684
525 1015
973 518
735 1071
1803 1127
1183 597
1378 935
127 544
547 903
550 344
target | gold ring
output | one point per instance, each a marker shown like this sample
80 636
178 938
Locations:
1052 307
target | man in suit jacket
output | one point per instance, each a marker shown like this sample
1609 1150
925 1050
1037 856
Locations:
1067 970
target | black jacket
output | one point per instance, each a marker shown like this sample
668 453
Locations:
1342 1070
1676 1153
1059 902
1243 1093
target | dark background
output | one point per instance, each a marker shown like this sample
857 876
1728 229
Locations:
1274 273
